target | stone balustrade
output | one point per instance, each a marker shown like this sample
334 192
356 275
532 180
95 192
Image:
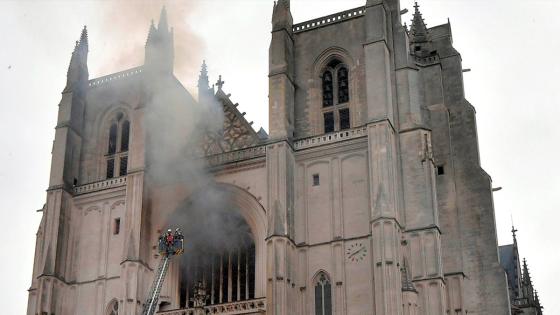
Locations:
329 19
101 185
330 138
233 308
115 76
234 156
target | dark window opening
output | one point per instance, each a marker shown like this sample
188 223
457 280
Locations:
327 89
114 308
251 271
234 276
112 149
334 63
117 226
110 168
440 170
228 274
316 180
243 275
343 96
329 122
125 135
323 303
123 167
225 273
344 115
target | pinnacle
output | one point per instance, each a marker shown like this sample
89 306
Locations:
418 27
84 36
204 68
285 3
83 42
203 78
163 19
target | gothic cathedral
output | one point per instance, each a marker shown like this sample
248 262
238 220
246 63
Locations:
366 196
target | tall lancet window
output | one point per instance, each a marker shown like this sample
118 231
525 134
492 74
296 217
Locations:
336 96
342 76
119 138
323 301
327 89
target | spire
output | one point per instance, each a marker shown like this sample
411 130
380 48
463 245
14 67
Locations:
203 78
538 303
205 93
418 28
77 70
528 292
162 25
282 16
284 3
84 39
159 54
151 32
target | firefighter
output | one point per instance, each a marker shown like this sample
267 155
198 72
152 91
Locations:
169 238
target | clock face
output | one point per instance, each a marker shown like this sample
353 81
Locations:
356 252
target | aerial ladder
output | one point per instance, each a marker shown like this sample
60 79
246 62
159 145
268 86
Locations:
170 244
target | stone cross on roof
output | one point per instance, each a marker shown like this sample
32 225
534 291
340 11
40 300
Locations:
220 83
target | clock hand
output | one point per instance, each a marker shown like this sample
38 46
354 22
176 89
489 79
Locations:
355 252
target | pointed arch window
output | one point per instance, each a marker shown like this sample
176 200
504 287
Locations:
342 76
119 137
327 88
113 308
323 296
336 96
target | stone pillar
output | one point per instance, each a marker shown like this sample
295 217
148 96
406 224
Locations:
279 243
385 226
281 78
410 302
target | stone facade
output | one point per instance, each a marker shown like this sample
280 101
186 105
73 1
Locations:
366 197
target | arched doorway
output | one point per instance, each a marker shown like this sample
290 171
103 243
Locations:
224 228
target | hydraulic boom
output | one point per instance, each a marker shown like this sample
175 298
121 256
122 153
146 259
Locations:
170 244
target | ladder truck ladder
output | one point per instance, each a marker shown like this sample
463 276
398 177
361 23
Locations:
153 297
170 244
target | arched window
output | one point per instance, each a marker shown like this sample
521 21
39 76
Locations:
225 270
342 76
336 115
323 300
327 89
113 308
112 139
124 135
119 137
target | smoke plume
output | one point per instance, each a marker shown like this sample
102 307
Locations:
126 24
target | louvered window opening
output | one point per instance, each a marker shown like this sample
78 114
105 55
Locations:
119 137
336 96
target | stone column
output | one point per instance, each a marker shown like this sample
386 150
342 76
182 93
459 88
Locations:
279 242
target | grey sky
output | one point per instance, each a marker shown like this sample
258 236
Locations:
510 45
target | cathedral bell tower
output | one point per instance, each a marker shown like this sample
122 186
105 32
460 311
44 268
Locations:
159 55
